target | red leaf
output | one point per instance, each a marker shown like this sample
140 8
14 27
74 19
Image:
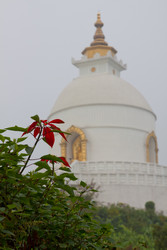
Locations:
36 131
31 127
64 161
53 126
61 133
56 121
44 160
44 131
49 136
48 161
24 133
44 121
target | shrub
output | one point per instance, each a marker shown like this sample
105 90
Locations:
39 209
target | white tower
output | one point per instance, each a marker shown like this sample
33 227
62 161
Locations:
112 128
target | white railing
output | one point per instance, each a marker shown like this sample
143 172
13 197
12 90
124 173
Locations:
127 173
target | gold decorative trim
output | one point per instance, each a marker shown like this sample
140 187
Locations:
93 69
83 141
100 49
151 135
99 45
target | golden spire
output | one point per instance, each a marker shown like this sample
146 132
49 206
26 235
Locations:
99 36
99 45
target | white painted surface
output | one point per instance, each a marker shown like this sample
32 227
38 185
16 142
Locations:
113 132
116 120
133 183
102 64
99 89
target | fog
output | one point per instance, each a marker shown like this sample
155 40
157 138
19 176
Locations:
39 37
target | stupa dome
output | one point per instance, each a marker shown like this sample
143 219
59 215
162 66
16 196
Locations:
110 112
112 137
100 89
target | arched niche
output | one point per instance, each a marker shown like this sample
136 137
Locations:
75 148
152 148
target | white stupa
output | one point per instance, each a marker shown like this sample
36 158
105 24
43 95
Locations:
113 140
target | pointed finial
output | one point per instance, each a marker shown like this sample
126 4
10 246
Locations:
99 45
99 36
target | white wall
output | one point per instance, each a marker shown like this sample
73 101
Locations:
113 132
127 182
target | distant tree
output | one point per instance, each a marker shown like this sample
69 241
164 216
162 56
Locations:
160 236
150 206
133 226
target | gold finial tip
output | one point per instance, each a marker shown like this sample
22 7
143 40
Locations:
99 45
98 16
98 22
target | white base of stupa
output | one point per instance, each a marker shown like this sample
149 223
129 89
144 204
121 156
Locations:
132 183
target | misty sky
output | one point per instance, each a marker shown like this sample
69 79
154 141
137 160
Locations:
39 37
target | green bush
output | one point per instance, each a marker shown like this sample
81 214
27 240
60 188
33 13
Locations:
44 209
39 209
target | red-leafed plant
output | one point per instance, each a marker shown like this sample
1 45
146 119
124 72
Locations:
46 129
40 209
43 129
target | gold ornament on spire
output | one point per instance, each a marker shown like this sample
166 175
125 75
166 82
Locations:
99 36
99 45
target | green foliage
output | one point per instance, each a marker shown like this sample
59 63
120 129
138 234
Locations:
160 236
44 209
40 210
135 227
150 206
127 238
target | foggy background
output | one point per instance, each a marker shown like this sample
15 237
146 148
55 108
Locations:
38 38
